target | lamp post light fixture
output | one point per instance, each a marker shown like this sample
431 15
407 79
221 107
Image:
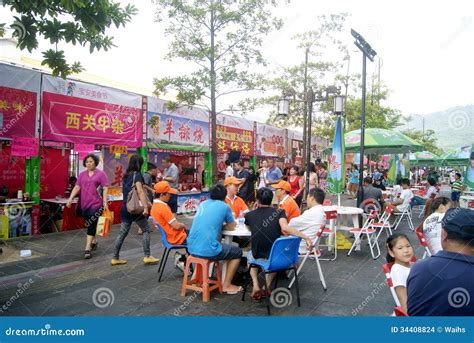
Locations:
310 98
367 52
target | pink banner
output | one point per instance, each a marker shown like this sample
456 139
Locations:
83 149
76 120
17 112
25 147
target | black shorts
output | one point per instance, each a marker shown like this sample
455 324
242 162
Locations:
91 217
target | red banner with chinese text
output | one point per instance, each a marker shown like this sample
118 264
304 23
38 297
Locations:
17 113
230 138
77 120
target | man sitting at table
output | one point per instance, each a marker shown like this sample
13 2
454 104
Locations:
371 195
282 193
161 212
311 219
213 216
431 192
267 224
236 203
403 202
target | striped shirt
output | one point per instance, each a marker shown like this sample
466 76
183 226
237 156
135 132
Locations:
457 186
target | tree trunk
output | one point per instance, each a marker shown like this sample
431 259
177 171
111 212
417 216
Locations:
213 102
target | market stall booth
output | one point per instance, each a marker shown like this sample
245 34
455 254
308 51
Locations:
19 146
183 136
295 148
271 142
237 135
90 119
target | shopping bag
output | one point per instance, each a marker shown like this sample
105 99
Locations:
104 223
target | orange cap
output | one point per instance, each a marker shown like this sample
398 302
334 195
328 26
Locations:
231 180
283 185
164 187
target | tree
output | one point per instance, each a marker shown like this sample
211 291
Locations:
313 72
428 140
222 39
73 21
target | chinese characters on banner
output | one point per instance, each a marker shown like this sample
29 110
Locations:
19 89
184 129
118 149
230 138
73 116
234 133
25 147
271 141
190 203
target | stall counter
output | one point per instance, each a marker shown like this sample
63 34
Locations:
189 201
18 219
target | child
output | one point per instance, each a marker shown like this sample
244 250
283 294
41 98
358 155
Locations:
400 253
432 224
456 190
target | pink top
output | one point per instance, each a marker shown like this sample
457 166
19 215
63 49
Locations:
89 195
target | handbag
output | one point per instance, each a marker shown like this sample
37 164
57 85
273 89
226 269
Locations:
134 205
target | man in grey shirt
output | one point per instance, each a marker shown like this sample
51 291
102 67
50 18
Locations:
149 179
372 195
171 174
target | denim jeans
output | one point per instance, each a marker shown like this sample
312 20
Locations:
417 201
142 222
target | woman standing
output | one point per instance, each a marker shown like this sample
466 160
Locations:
262 175
322 175
90 202
313 177
353 181
296 182
133 178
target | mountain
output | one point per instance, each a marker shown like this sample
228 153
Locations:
453 127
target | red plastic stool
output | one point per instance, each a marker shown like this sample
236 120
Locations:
201 283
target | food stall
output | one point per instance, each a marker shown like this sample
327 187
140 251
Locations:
182 135
19 146
234 134
90 118
271 143
295 148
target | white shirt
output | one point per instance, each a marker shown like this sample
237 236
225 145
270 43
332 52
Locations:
397 189
399 275
406 196
229 171
432 231
262 179
431 190
309 223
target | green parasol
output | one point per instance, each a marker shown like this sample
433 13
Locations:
381 141
457 157
424 158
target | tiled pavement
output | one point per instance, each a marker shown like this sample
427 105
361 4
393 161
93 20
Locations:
62 283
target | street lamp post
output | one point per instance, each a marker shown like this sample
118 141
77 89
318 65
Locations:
367 52
309 99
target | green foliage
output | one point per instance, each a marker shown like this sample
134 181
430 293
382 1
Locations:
222 39
2 30
73 21
428 140
292 80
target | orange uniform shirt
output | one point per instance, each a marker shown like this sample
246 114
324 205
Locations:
237 205
161 212
291 207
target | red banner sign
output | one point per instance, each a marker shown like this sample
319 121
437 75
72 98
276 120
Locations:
229 138
17 112
25 147
77 120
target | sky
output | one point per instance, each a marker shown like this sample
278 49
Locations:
426 48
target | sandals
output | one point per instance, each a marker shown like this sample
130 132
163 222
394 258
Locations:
87 254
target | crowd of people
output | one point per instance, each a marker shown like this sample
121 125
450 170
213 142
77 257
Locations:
268 203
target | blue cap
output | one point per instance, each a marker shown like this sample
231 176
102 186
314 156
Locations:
460 221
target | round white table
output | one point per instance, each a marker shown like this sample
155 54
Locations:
468 193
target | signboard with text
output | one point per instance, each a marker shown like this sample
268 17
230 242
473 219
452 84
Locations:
271 141
234 133
77 112
182 129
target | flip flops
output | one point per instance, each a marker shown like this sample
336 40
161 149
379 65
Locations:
239 290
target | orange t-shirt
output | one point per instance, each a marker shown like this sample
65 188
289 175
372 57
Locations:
161 212
291 208
237 206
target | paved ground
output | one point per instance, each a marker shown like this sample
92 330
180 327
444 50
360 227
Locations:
56 280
